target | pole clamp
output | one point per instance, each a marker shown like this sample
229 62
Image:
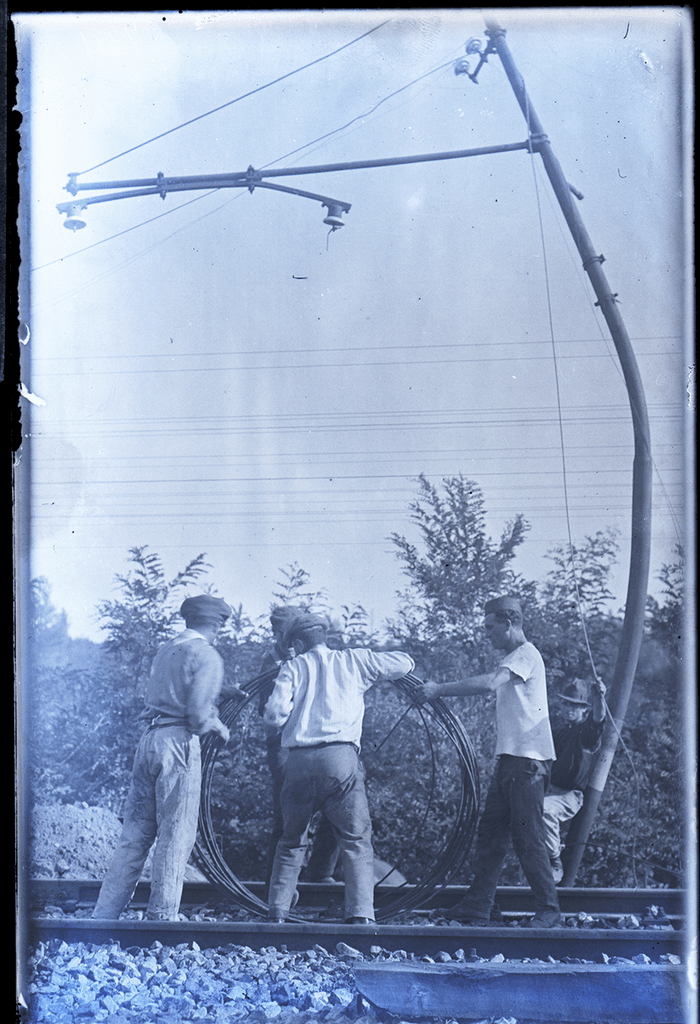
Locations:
252 177
612 297
593 259
160 181
537 140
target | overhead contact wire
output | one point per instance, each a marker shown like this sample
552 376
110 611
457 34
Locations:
244 96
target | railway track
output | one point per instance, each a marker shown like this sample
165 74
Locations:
595 923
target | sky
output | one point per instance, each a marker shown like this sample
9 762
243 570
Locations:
219 372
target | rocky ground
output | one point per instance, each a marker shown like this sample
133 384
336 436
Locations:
76 841
90 983
165 985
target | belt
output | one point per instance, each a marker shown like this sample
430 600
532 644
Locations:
331 743
155 723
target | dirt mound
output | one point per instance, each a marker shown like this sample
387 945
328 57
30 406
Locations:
76 841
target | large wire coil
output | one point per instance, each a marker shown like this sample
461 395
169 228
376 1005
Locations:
391 901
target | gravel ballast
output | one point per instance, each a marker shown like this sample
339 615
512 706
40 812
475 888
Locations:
168 985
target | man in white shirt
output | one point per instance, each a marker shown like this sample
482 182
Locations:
525 751
318 703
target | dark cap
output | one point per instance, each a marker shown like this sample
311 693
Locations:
283 616
205 608
303 624
576 692
503 604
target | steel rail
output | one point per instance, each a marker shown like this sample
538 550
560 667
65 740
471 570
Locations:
512 900
512 942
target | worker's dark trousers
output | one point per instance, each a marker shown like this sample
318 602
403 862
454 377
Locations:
163 805
324 851
329 777
513 810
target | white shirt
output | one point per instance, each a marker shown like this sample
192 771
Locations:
319 696
522 713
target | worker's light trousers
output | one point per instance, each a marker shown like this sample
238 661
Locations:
560 805
162 807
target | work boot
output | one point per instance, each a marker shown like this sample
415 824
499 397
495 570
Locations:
543 919
359 920
465 914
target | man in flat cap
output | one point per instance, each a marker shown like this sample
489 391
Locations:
163 803
324 854
513 809
318 704
577 737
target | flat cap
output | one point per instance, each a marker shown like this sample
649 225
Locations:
284 615
205 608
302 624
503 604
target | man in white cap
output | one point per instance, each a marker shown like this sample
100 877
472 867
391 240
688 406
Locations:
513 809
318 704
577 737
163 803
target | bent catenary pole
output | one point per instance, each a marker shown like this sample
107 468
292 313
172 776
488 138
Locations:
633 624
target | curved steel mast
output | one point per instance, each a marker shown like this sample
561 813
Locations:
635 605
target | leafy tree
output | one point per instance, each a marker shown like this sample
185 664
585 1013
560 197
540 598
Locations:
294 589
666 621
48 626
568 616
77 745
454 570
142 618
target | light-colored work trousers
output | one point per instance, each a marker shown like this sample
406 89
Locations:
560 805
328 777
162 807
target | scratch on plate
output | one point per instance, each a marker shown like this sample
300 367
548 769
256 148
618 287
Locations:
34 399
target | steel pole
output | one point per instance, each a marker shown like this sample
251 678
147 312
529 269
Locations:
633 623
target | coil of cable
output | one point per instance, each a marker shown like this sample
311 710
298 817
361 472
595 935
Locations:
410 895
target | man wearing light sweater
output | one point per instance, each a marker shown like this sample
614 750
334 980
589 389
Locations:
318 703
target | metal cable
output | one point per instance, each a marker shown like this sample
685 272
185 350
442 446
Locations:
413 893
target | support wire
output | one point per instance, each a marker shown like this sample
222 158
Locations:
574 571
